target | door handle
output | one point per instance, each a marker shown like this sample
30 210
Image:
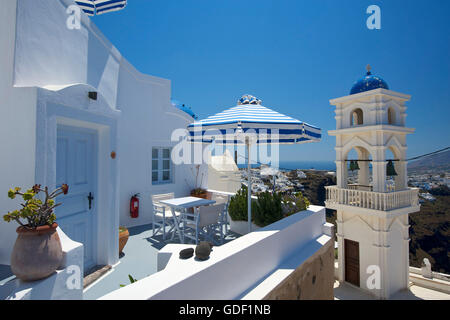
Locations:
90 198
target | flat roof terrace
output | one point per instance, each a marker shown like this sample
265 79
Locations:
139 259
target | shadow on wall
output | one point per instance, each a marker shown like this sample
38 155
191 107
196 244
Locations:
101 65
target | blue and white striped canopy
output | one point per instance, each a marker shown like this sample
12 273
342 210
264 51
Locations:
250 118
92 7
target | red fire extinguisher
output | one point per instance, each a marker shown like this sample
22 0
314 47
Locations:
134 206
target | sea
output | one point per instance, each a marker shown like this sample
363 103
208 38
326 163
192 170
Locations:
302 165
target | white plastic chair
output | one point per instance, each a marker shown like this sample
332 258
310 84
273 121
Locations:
221 198
205 221
162 214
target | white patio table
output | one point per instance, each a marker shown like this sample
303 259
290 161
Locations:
184 204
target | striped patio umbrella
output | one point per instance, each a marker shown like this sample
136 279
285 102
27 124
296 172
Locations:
96 7
250 123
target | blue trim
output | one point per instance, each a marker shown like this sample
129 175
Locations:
299 132
85 4
234 142
110 8
109 2
209 123
92 7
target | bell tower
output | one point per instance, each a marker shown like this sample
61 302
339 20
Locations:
372 212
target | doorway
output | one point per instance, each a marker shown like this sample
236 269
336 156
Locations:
76 165
351 254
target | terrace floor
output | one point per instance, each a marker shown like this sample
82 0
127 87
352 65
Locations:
344 291
139 259
5 274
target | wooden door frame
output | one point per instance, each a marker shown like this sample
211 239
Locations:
346 243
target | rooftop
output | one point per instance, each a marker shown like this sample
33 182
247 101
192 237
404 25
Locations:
139 259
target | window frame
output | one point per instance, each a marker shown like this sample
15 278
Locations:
160 170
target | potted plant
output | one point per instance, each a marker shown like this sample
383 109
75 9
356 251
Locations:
123 238
238 212
37 252
197 190
200 193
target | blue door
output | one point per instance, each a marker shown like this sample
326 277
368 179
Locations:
76 165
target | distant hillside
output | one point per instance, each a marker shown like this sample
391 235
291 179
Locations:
440 161
430 234
430 228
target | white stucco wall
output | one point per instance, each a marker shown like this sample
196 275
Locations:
374 105
17 130
148 120
49 53
39 51
383 242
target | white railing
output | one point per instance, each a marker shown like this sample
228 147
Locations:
384 201
294 238
389 187
359 187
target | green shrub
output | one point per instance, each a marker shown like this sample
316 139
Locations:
294 203
238 205
267 209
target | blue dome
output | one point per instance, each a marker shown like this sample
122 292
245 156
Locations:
369 82
183 107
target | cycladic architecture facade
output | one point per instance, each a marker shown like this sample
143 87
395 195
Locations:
372 215
74 110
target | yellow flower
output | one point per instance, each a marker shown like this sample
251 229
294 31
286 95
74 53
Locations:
11 194
28 196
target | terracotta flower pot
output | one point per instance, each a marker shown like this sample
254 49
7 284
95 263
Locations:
36 253
204 195
123 238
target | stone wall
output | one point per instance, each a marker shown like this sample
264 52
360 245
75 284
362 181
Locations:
313 280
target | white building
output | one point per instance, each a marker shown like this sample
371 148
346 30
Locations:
372 220
301 174
223 173
53 131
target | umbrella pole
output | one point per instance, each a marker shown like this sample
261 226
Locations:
249 190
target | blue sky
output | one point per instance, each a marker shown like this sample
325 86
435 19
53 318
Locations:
295 56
